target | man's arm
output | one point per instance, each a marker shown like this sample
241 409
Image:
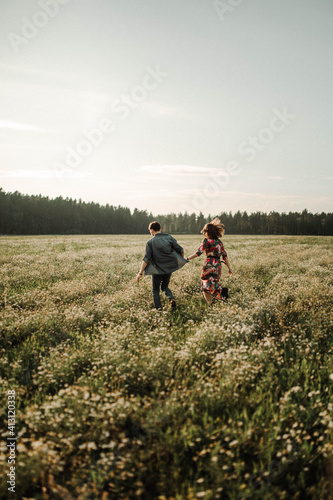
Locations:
177 247
147 258
142 268
148 252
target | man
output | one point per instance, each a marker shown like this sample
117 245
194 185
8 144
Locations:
163 257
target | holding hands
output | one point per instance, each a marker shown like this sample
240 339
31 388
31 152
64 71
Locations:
224 261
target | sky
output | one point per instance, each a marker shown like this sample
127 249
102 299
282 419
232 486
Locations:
167 105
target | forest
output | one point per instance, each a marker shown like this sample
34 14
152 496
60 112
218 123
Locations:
22 214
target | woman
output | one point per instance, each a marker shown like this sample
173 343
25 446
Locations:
211 271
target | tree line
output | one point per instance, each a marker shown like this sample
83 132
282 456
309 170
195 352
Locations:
36 214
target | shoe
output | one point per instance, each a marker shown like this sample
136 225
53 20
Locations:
224 293
173 304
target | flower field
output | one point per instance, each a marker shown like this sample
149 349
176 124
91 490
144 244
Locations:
115 400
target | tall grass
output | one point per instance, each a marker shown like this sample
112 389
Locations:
116 400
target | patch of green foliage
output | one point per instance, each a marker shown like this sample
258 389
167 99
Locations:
115 400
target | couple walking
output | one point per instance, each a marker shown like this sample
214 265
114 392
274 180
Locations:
164 256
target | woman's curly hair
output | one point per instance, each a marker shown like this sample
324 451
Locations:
214 229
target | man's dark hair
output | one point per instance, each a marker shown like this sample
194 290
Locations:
155 226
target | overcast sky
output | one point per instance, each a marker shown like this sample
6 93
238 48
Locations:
169 105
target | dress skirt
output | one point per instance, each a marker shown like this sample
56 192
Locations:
211 273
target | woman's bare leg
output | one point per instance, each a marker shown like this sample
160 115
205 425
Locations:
208 297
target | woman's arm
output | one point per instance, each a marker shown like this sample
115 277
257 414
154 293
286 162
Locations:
193 256
225 260
199 251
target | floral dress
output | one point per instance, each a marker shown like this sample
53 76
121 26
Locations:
211 270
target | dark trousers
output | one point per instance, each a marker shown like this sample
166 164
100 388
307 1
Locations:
161 281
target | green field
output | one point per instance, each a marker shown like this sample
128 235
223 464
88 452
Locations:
115 400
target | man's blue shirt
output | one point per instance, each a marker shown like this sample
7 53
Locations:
163 255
